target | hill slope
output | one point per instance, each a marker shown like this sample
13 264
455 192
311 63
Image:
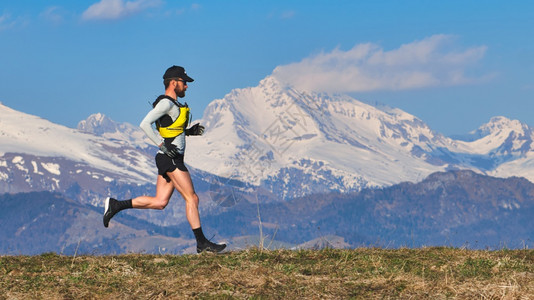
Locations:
428 273
455 208
38 222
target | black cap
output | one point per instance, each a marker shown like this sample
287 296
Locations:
177 71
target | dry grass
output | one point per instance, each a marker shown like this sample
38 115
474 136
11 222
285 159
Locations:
426 273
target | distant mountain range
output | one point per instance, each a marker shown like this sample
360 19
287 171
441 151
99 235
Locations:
454 208
288 142
269 144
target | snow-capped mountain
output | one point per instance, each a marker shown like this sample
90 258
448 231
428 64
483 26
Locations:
101 125
501 148
23 133
288 142
280 143
36 154
100 159
295 143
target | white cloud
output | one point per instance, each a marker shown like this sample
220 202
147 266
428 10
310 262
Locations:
116 9
288 14
7 22
4 22
53 14
433 61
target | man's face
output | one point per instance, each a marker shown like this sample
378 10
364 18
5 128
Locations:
180 88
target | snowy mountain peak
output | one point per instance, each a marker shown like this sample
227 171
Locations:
287 141
502 136
500 124
273 134
24 136
98 124
271 83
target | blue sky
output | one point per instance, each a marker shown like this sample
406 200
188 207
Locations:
454 64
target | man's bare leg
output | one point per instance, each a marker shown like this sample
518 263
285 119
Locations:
182 182
164 192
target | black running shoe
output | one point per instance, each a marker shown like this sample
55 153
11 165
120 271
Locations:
210 247
108 210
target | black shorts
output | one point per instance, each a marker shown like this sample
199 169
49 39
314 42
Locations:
166 164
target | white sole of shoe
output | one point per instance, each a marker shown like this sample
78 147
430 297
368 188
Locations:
106 205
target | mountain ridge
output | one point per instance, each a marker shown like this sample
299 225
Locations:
278 130
282 149
37 222
453 208
42 138
274 137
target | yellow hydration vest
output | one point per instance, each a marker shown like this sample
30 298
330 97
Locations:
166 126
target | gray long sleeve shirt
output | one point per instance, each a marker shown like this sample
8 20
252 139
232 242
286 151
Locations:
164 107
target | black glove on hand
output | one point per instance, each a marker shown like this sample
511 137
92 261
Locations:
172 152
196 129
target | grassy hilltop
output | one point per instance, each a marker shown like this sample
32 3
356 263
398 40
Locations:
370 273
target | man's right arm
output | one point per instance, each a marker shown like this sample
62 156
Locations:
157 112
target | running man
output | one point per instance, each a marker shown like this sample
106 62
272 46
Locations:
171 119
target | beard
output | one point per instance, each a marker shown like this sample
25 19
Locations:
179 93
